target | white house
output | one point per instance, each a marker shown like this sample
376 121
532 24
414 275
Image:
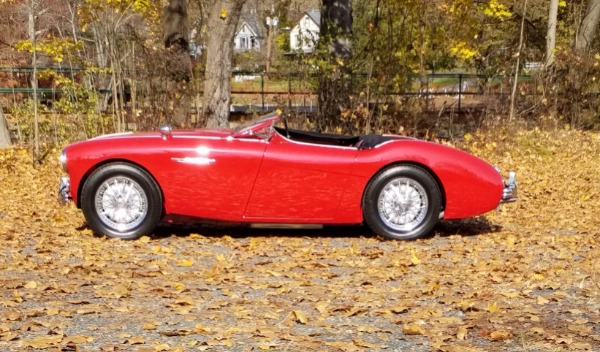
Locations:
248 36
250 33
304 36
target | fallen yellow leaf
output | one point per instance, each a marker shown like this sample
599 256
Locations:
185 262
31 285
300 317
42 342
462 332
414 259
500 334
412 329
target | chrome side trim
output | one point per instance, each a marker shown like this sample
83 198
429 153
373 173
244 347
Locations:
509 194
202 160
286 226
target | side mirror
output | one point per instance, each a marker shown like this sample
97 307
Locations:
166 131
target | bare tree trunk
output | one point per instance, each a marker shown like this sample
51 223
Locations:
589 25
34 81
422 28
121 80
222 22
4 133
113 77
133 86
334 83
371 68
179 63
551 34
517 64
269 49
102 45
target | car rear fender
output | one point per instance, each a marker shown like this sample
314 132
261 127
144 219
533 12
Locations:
469 186
410 163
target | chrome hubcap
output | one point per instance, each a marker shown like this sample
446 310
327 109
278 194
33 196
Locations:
402 204
121 203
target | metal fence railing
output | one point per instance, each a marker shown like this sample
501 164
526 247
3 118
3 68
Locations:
257 91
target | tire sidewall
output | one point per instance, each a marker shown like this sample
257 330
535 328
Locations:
417 174
146 182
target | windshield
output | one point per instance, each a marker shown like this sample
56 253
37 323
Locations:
274 116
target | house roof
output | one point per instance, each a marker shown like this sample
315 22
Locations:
252 21
315 15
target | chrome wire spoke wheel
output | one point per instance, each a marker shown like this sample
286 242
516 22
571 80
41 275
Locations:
402 204
121 203
121 200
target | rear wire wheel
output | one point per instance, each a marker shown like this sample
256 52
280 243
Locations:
121 200
402 202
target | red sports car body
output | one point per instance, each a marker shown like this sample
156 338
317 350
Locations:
261 174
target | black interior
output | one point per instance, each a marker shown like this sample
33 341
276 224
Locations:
361 142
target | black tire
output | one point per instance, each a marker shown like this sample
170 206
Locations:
121 200
403 217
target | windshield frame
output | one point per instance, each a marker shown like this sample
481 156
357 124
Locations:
255 126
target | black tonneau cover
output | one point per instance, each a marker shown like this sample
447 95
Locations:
361 142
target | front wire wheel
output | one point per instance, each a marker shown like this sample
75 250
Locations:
402 202
122 201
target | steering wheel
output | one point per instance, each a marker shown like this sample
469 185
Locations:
285 125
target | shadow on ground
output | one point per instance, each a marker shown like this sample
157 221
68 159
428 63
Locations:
468 227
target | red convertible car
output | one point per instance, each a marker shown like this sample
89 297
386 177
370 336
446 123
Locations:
264 175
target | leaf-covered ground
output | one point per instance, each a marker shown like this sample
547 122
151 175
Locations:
526 278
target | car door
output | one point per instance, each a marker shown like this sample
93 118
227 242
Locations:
300 182
212 178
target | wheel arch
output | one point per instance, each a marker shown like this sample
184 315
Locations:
408 163
117 161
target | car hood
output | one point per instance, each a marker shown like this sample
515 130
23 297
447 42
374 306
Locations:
224 132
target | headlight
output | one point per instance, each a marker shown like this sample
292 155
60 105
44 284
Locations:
62 159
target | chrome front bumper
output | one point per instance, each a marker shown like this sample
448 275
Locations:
509 194
64 191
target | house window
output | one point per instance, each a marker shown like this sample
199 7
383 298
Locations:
253 42
243 43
